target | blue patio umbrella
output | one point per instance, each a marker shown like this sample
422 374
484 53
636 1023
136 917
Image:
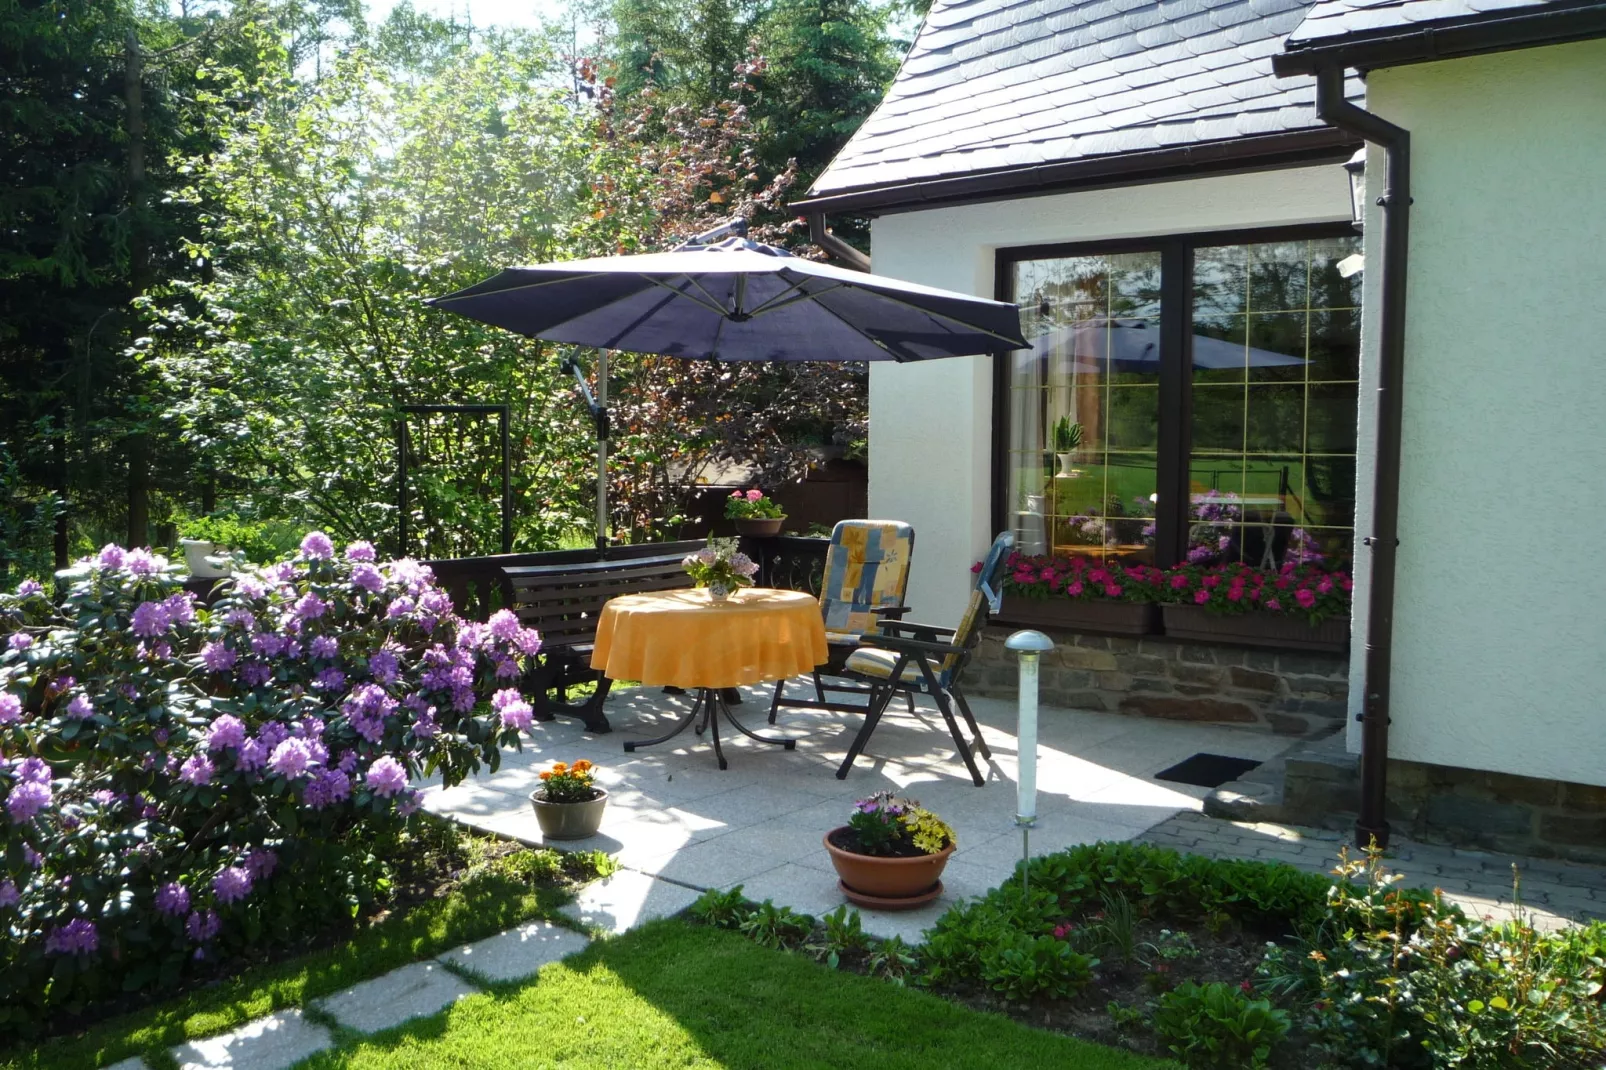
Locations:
728 300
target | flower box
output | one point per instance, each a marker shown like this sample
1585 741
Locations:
1100 616
1278 631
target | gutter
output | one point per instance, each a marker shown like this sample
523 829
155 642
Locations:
821 236
1400 46
1371 824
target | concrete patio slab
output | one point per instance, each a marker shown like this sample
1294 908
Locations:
273 1043
411 992
518 952
628 899
673 813
133 1062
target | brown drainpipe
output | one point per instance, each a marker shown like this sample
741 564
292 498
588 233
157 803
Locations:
1372 825
834 245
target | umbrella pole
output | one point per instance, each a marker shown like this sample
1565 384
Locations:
601 414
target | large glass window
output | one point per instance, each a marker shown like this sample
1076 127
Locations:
1255 417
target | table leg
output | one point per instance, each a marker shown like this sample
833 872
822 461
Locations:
700 706
713 725
787 744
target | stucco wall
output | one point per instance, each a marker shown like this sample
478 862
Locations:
931 423
1500 619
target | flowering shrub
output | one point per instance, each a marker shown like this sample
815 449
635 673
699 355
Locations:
1301 590
886 825
569 783
751 505
1079 579
720 563
179 782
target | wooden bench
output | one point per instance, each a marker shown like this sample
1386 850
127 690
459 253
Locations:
564 600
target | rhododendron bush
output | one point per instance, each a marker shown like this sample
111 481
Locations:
179 782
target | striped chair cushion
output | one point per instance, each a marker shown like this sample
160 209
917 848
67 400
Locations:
866 568
877 663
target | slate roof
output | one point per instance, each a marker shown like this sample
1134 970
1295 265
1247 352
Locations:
1001 84
1330 20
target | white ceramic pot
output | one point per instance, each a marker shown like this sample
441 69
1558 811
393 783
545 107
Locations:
196 552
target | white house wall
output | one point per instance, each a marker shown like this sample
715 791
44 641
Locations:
931 422
1500 615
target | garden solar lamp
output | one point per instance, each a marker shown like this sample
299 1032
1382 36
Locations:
1029 646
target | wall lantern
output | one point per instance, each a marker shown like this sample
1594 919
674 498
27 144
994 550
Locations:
1356 166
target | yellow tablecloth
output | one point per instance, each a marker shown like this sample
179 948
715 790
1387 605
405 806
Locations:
685 639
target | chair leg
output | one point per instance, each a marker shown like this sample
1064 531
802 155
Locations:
959 738
970 719
872 716
819 689
909 697
775 703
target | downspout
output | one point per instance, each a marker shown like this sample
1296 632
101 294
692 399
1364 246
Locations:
1372 824
834 245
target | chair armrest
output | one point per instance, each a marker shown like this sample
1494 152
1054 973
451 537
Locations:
890 611
904 645
909 627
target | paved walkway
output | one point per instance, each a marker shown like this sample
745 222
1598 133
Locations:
674 814
1554 893
280 1040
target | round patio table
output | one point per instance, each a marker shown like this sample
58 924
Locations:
686 639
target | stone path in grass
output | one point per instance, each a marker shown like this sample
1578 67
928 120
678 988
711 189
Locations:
280 1040
1554 893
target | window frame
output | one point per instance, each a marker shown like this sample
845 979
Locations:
1175 416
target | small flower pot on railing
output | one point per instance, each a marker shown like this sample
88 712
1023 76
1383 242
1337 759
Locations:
759 527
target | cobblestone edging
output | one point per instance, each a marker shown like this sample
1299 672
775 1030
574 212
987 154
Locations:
1291 694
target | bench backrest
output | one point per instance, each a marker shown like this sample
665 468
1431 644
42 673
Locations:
564 601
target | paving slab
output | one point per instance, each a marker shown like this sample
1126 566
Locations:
414 991
628 899
278 1041
133 1062
517 953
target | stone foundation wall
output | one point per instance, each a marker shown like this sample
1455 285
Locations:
1290 694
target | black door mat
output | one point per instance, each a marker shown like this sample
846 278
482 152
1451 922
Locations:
1207 770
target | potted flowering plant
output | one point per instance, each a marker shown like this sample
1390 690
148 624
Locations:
891 853
1080 593
753 513
721 568
568 804
1300 606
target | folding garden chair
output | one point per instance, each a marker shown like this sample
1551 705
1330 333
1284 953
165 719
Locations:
866 575
903 657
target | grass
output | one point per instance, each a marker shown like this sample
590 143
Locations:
676 995
473 911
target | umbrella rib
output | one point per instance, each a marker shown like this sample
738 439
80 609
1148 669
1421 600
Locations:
443 301
1014 342
638 321
713 304
780 300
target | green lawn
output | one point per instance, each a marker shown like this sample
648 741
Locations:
676 995
472 912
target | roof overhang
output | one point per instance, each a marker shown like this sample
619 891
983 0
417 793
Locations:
1289 149
1398 46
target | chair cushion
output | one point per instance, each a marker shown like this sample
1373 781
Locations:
875 662
866 568
842 638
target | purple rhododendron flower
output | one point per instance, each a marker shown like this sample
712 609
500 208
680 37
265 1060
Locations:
504 625
251 587
225 731
239 618
217 657
150 619
360 551
317 547
272 734
232 884
197 769
77 937
331 679
28 588
80 708
347 762
143 563
268 644
324 646
111 556
310 607
201 926
255 674
435 602
180 607
290 758
253 755
10 708
26 800
387 777
367 577
34 771
326 788
20 641
261 862
528 642
409 804
383 666
9 896
399 607
517 715
172 899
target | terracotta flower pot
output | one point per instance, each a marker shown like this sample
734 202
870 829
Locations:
759 525
888 883
569 820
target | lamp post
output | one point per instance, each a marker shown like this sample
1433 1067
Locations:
1029 646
